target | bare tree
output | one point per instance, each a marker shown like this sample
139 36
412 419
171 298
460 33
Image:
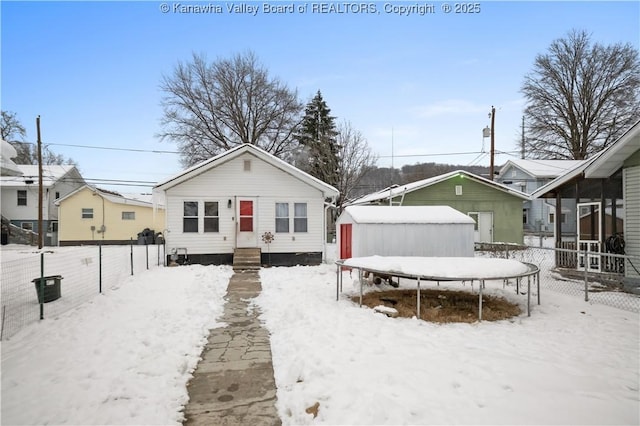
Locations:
212 107
355 160
580 97
12 131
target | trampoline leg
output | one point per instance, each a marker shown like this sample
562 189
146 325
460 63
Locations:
418 301
529 296
360 279
480 301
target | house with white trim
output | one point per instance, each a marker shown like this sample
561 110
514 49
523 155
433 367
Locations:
495 208
92 215
527 175
20 196
246 198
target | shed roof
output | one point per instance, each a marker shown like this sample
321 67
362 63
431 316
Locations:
115 198
407 214
197 169
413 186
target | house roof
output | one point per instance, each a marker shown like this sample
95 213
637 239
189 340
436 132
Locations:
407 214
603 164
204 166
413 186
540 168
50 175
110 196
614 156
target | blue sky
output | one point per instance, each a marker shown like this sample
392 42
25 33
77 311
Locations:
422 84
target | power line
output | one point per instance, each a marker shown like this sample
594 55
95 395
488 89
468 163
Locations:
109 148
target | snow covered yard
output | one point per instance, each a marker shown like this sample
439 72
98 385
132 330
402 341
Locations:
125 357
571 362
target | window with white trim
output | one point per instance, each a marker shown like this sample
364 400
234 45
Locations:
190 216
27 226
87 213
128 215
300 217
22 197
211 216
282 217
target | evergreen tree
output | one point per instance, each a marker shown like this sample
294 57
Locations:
318 137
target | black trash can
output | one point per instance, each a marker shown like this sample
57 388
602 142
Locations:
51 288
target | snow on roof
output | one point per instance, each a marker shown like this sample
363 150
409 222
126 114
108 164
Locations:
7 166
50 175
407 214
396 191
541 168
205 165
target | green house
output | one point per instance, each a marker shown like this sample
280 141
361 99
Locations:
496 208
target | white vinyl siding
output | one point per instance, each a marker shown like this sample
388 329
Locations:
631 194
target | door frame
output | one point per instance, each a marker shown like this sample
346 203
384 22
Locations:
478 228
243 239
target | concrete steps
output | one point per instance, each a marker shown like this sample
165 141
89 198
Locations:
246 259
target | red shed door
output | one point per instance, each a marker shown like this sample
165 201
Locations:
345 241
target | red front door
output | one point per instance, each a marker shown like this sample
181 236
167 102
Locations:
345 241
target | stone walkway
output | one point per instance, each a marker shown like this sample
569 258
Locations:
233 384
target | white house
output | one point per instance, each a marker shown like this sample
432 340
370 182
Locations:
527 175
20 196
366 230
236 200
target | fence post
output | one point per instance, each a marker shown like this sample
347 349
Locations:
100 266
131 247
585 260
41 287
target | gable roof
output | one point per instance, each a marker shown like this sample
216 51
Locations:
51 174
398 190
603 164
540 168
204 166
406 214
107 195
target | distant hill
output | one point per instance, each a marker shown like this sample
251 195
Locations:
382 177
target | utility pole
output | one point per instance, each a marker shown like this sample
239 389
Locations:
493 121
40 230
522 150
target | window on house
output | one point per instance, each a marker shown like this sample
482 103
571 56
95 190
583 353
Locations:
282 217
190 216
247 165
22 197
211 216
474 216
87 213
300 217
57 195
53 226
552 218
525 214
458 189
514 173
128 215
27 226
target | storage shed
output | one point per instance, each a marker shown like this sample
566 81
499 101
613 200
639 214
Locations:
432 231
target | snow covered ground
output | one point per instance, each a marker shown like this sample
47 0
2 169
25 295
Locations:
124 358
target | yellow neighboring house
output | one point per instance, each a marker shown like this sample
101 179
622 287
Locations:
91 215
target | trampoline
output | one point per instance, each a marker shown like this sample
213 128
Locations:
442 269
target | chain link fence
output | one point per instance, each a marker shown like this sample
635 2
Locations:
572 277
74 276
